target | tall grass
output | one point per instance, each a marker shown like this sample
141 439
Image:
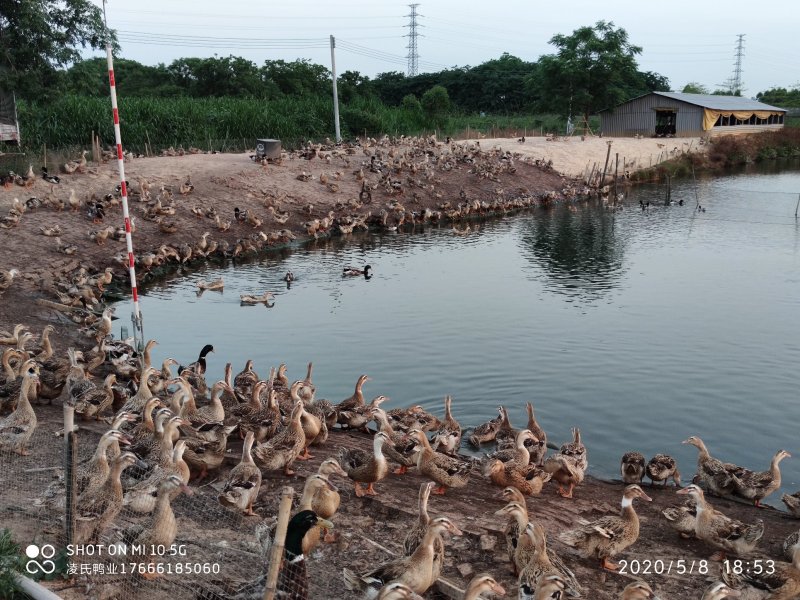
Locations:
235 123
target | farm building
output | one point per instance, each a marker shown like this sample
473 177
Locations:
672 114
9 126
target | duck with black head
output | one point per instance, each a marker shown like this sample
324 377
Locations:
356 272
198 366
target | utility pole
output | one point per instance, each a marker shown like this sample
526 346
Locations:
736 80
335 92
413 56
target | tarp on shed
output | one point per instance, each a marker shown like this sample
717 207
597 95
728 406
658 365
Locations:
710 116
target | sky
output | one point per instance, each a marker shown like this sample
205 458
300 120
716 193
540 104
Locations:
686 41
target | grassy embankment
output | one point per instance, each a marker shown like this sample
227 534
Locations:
729 151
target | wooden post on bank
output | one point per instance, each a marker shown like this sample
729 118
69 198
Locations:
276 553
605 168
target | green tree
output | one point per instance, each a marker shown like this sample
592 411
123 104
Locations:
436 103
694 88
298 78
594 68
352 85
37 38
781 97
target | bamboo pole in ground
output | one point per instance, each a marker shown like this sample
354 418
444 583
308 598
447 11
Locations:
276 553
605 167
70 469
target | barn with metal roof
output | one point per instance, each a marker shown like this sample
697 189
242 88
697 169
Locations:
673 114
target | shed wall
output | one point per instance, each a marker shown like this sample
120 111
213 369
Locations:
638 117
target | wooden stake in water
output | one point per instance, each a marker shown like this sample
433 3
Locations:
669 190
796 206
616 171
696 196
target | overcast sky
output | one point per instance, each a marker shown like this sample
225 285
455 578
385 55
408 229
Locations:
684 40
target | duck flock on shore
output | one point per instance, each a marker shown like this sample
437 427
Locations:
170 428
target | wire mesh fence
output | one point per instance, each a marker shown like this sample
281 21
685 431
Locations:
187 545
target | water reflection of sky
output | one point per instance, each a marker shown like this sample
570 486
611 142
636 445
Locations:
640 327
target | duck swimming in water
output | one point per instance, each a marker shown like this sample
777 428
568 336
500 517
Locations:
355 272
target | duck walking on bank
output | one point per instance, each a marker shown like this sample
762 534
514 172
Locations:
607 536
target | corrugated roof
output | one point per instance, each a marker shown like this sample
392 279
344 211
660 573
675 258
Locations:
719 102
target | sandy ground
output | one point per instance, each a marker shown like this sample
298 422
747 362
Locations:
575 157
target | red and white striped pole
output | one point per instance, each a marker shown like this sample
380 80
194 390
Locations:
138 332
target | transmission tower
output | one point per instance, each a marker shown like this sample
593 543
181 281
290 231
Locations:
413 56
736 80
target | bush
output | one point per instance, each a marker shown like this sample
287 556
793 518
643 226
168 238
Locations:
358 122
436 103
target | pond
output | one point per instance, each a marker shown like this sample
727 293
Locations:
640 327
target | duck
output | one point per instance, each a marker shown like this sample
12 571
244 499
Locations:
293 576
365 467
54 179
520 453
314 484
416 534
97 509
198 366
415 571
638 590
528 479
448 437
549 586
539 449
356 400
162 529
682 518
357 418
356 272
397 591
719 531
607 536
712 472
398 450
207 453
95 401
244 481
792 502
216 285
632 467
486 432
142 497
719 590
289 277
186 187
143 393
523 547
512 529
50 231
17 428
250 299
447 471
7 278
662 467
541 561
326 500
245 380
506 434
12 338
282 450
756 486
315 430
483 583
565 470
780 579
263 420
